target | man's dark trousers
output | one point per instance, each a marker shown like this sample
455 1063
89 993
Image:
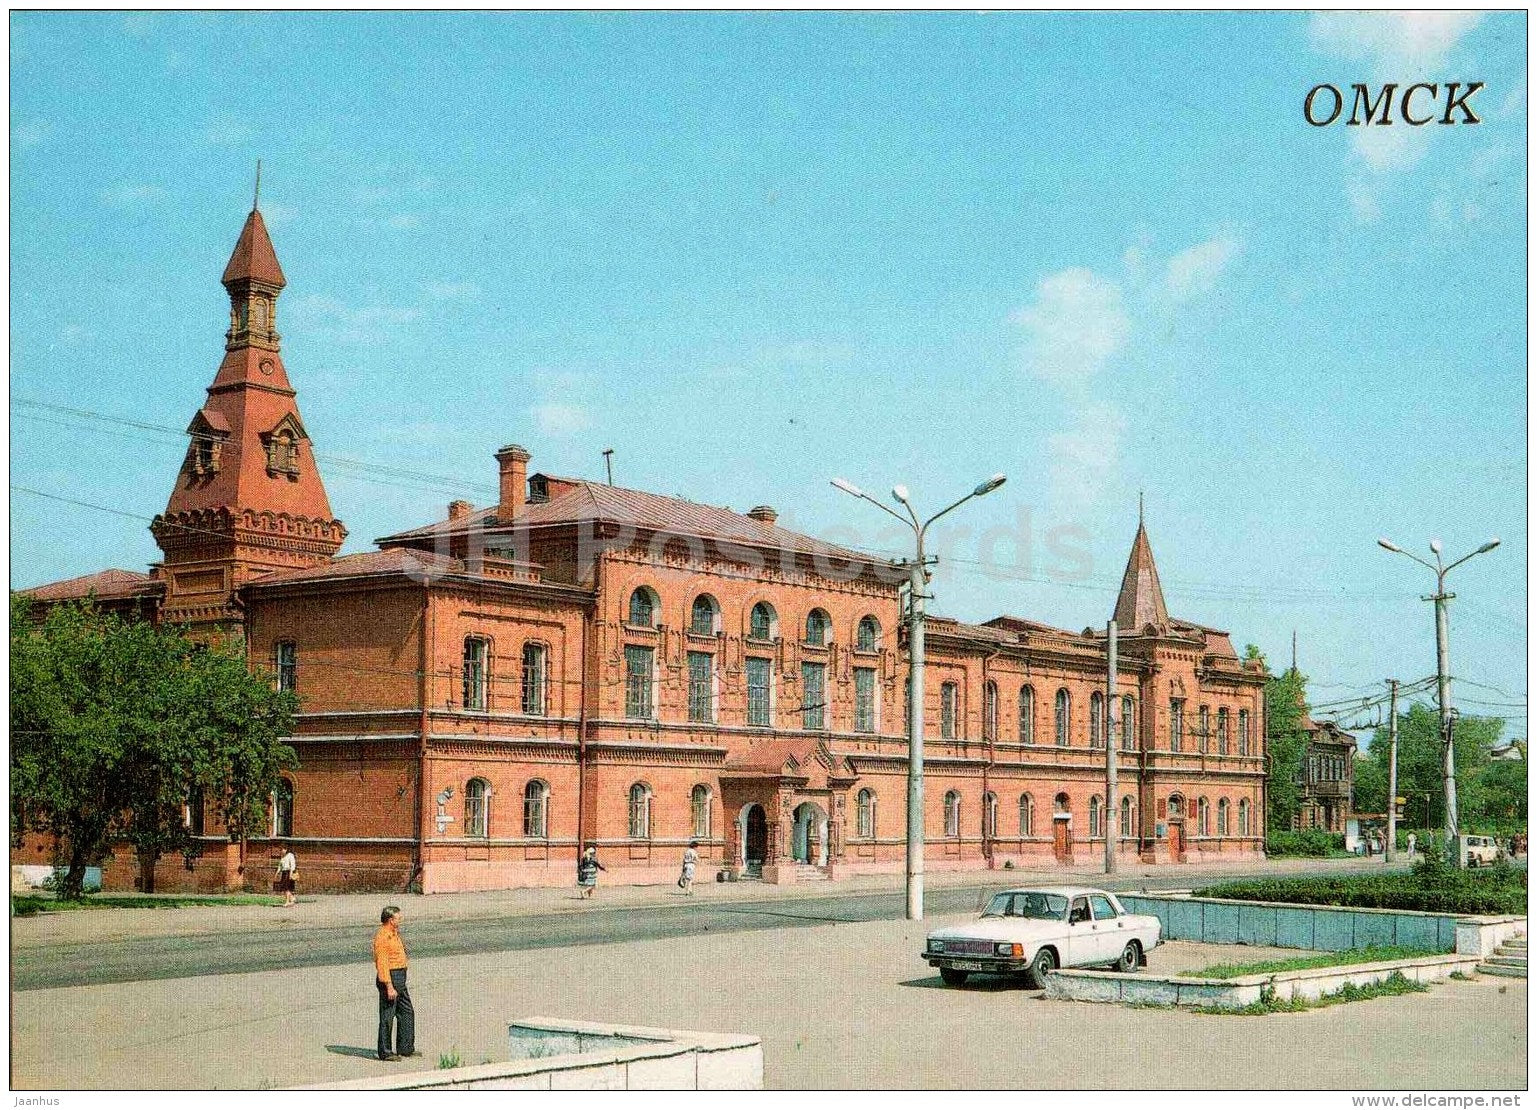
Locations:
398 1013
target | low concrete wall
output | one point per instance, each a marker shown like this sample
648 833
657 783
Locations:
1245 990
1326 928
550 1054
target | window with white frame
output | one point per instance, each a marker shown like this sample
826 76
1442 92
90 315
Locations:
477 795
1202 817
1204 716
701 687
285 655
952 814
1243 816
990 711
1026 815
762 625
865 811
1064 719
704 616
1222 731
1222 807
813 695
990 815
475 651
1094 815
536 808
817 624
640 812
868 636
1243 732
759 677
1177 724
949 695
282 804
699 812
864 699
639 665
535 679
643 607
1128 721
1096 718
1026 715
1126 822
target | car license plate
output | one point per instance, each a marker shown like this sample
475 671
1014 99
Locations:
968 965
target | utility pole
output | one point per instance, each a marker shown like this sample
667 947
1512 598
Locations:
1112 811
1392 770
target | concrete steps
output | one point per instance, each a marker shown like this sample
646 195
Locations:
1509 959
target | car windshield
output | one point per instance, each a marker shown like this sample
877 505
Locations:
1031 903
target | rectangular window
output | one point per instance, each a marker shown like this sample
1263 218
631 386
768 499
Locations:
1177 725
813 695
701 686
864 699
533 680
758 676
288 666
638 682
474 673
947 700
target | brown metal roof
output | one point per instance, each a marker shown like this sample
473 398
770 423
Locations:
103 584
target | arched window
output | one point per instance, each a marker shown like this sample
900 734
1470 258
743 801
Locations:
1064 718
1202 817
1243 816
699 811
476 651
990 711
1176 805
1222 817
1094 822
643 607
1126 823
989 815
1096 719
1026 815
477 793
1243 732
640 812
764 623
1128 721
949 697
817 624
1026 715
534 701
1222 731
703 618
866 814
286 662
952 814
536 809
1204 715
1063 804
868 637
283 808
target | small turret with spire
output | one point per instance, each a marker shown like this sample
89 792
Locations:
1141 603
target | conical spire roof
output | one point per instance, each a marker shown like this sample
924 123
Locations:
1141 601
253 258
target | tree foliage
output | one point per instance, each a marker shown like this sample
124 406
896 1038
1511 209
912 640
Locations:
1285 744
1487 789
114 722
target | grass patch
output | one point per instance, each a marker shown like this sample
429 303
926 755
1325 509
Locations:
1371 954
1269 1004
25 905
450 1059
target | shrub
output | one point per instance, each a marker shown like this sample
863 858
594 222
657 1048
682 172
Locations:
1311 842
1432 887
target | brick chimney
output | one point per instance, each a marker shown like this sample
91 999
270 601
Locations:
458 510
764 513
512 461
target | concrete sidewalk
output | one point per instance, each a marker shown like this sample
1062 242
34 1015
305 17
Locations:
351 910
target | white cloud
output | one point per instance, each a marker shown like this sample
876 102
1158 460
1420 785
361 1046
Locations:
1075 325
333 318
558 420
1195 270
276 215
129 196
29 134
1392 42
1363 199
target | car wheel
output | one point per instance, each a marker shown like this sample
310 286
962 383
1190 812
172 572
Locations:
1044 964
952 977
1131 956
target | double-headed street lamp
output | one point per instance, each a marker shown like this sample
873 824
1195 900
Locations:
1443 676
917 582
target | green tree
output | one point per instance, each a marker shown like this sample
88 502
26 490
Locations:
1285 745
1420 754
114 721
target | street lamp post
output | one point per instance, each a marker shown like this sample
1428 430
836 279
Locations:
918 580
1443 676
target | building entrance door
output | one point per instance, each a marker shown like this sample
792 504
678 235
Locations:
1176 840
1061 839
757 836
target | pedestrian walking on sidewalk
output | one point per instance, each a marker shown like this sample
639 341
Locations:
587 868
1412 839
397 1017
288 874
690 861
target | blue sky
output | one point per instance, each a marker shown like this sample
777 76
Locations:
1101 253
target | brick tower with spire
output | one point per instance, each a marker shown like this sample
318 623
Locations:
248 499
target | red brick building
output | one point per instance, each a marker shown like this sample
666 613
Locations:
585 664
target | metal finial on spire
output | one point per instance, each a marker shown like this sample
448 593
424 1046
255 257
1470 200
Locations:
257 196
1294 651
1139 508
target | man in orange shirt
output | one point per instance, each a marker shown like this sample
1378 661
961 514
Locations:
396 1015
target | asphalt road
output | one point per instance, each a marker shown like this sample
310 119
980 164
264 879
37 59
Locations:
136 959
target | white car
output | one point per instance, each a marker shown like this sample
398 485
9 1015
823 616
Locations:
1035 930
